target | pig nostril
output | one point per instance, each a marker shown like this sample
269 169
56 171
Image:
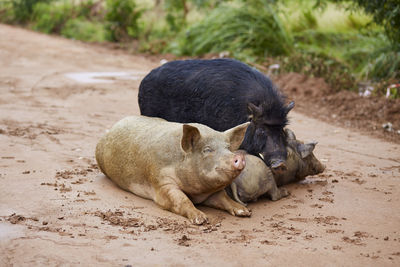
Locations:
238 162
280 167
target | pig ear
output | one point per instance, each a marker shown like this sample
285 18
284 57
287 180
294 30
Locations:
190 137
306 149
235 136
289 107
253 110
290 134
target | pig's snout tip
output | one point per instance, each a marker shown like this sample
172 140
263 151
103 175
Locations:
323 167
239 162
278 167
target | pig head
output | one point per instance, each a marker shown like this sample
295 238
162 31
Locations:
300 162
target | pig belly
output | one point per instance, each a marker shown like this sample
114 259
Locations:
142 190
197 199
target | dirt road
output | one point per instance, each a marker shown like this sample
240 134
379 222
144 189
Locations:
56 208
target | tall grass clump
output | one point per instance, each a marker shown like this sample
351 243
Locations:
383 64
240 30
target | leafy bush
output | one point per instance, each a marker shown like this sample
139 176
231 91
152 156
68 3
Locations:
384 12
341 46
84 30
50 18
176 14
19 11
387 13
122 19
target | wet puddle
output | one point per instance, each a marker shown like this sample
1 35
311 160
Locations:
104 77
313 181
8 231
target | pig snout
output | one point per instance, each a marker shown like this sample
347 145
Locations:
320 168
278 167
238 162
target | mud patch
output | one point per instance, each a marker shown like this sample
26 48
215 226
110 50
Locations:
14 218
104 77
184 241
328 220
69 174
116 218
17 129
354 241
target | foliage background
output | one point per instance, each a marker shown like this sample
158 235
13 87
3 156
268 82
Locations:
345 42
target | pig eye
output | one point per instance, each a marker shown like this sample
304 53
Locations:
207 149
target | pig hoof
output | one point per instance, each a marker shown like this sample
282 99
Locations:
242 212
199 218
279 193
284 192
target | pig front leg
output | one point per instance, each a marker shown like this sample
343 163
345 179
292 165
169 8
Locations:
171 198
220 200
276 193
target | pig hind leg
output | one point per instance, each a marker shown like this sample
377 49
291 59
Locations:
173 199
220 200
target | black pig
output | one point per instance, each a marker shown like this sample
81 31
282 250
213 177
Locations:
220 93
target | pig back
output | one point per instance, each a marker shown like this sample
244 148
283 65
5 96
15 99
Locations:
136 149
211 92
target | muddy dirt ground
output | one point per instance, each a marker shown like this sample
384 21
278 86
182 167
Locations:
56 208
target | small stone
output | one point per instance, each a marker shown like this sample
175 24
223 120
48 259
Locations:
387 126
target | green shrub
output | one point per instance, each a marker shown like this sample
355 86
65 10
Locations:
84 30
176 12
384 12
18 11
50 18
122 19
